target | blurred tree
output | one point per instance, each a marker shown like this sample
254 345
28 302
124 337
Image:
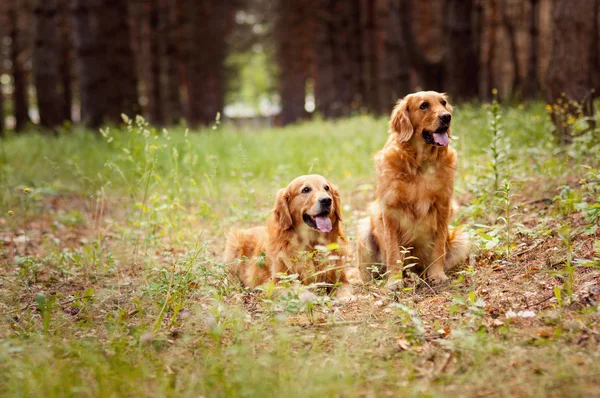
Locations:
90 50
153 80
293 37
171 58
207 27
430 72
45 65
338 60
65 58
19 96
532 84
122 95
462 54
575 64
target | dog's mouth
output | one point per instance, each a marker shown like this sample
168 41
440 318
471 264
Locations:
320 222
439 137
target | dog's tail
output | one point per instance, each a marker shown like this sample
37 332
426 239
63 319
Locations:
457 246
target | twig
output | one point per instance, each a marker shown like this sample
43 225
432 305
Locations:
534 201
539 302
446 363
333 324
62 303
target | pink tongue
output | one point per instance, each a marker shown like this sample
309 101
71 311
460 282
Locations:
441 138
323 223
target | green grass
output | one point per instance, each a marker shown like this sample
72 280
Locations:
111 282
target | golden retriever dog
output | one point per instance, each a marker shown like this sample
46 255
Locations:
413 206
306 214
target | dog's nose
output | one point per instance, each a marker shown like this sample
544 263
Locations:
445 117
325 202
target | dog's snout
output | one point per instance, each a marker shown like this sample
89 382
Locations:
445 117
325 202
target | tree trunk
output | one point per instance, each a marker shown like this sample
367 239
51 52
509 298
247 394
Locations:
65 59
574 61
153 81
292 57
395 78
430 73
20 107
370 61
462 61
45 66
532 85
120 62
510 26
205 59
171 58
90 61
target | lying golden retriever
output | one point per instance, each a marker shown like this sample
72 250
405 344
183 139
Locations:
415 184
306 214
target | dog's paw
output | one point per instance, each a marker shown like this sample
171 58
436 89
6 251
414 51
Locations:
438 278
345 294
395 285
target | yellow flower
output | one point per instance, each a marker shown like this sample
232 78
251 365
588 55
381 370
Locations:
11 213
153 147
495 91
571 120
26 191
549 108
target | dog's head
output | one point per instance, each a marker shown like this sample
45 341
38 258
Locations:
422 118
308 200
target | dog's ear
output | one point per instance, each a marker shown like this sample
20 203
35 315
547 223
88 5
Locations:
281 211
337 204
448 106
400 121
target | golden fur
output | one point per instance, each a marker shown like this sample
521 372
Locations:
415 184
288 244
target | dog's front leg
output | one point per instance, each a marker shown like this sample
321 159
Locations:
435 271
278 267
393 256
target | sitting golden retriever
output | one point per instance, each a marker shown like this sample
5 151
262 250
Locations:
415 183
306 214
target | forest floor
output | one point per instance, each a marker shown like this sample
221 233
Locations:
111 282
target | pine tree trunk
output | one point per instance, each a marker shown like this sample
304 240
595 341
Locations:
325 87
510 26
90 61
20 107
153 81
430 73
170 60
65 59
370 64
209 24
45 66
395 78
292 59
462 62
120 62
532 85
574 60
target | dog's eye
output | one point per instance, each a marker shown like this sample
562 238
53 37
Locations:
327 187
305 190
443 102
424 105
